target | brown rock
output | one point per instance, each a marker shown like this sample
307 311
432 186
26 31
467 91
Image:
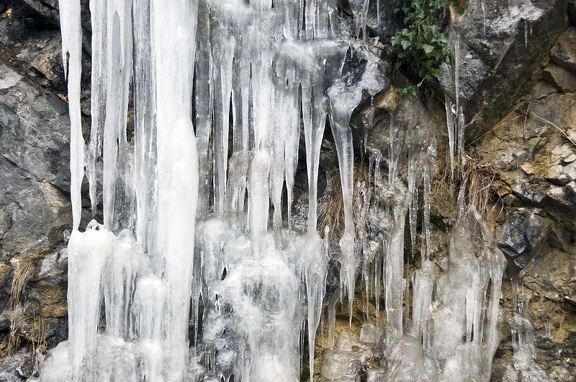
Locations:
560 78
52 299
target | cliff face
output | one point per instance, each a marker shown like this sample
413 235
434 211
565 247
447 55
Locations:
516 80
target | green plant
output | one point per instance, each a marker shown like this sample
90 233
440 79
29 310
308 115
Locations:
422 45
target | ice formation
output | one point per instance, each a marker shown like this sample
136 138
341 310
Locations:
197 272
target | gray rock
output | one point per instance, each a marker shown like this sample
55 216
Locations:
17 367
521 237
500 56
564 51
34 176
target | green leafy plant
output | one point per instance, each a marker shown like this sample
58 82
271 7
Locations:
422 45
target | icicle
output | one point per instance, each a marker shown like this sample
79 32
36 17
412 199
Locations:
315 290
422 302
483 6
451 132
223 47
413 190
72 62
360 11
427 175
119 72
144 126
314 120
204 104
259 202
394 267
343 138
98 88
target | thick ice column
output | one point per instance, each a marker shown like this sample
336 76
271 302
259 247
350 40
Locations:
72 62
173 41
87 256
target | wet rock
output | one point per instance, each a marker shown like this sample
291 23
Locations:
564 51
521 237
501 52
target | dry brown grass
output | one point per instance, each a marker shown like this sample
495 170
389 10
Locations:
24 324
331 204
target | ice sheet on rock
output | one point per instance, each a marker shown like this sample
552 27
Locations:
461 333
523 366
56 365
260 72
250 314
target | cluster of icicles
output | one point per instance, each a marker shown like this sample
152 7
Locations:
195 274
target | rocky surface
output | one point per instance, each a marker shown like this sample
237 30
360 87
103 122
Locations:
516 82
34 182
500 49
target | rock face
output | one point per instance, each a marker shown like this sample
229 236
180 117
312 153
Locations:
531 154
516 84
500 49
34 182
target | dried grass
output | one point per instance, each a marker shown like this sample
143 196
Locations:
23 323
331 204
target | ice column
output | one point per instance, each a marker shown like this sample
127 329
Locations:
174 42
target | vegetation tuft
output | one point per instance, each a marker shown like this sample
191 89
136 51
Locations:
422 44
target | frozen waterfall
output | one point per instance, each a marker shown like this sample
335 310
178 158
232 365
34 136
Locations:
197 271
